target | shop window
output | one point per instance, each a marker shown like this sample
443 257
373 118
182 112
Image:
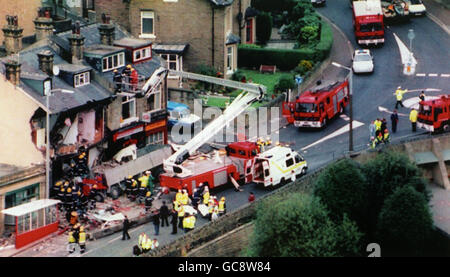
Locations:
155 138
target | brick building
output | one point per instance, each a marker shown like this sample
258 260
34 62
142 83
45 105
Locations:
188 32
86 108
24 10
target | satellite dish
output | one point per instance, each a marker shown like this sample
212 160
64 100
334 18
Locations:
55 70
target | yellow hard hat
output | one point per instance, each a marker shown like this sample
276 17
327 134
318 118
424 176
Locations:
73 213
66 183
148 194
129 176
81 229
79 193
94 186
81 156
223 198
69 190
129 66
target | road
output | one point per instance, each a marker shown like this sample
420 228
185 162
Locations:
430 48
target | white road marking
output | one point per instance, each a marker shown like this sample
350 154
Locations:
338 132
345 117
421 74
445 75
432 75
405 53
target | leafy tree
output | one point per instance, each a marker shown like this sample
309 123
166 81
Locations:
303 67
263 27
284 83
386 172
208 71
405 222
299 226
309 34
342 188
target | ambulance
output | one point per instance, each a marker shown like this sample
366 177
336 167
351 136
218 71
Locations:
278 166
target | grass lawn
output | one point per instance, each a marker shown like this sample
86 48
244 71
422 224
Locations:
266 79
216 101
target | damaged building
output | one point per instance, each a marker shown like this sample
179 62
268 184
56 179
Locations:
73 70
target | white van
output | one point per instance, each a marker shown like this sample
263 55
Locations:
278 165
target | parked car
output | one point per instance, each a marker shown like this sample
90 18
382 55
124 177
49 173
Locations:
362 61
318 2
416 7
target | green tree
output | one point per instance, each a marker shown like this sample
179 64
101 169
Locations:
405 222
386 172
284 83
342 188
299 226
263 27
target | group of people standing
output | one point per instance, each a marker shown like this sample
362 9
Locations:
127 80
140 191
379 132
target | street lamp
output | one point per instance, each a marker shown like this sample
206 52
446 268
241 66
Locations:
350 82
48 92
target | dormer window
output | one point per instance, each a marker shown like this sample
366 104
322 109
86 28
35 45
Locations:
82 79
142 54
113 61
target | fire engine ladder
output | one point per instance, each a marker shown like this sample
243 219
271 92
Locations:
251 93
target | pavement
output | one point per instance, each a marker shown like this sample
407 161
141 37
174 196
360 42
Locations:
55 245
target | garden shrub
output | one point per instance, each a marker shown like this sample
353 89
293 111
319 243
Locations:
263 27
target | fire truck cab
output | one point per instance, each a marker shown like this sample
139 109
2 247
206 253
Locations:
315 107
434 114
368 22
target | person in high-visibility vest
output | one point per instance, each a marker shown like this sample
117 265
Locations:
155 244
222 206
413 119
215 213
180 216
143 186
72 241
178 196
141 240
206 196
189 223
386 136
82 240
377 126
148 244
210 208
185 197
399 95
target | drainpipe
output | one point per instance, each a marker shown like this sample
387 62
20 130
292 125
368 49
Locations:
239 22
212 34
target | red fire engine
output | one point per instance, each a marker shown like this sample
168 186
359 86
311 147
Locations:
368 22
215 171
315 107
434 114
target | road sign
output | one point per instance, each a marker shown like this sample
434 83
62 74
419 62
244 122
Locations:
298 79
411 34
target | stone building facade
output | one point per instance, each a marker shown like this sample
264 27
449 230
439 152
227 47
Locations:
210 29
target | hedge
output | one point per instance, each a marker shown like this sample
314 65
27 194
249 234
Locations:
285 59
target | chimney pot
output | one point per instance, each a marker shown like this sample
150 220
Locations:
46 61
13 71
13 35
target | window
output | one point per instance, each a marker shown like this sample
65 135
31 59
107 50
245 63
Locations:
19 197
230 58
128 107
156 138
141 54
242 152
298 159
147 26
114 61
82 79
172 61
154 100
249 30
289 162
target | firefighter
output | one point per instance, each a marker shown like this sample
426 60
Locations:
82 240
189 223
377 126
413 119
57 189
178 196
386 136
93 197
399 96
141 240
84 201
126 75
196 198
210 208
222 208
134 79
422 96
180 216
148 201
185 198
143 186
71 245
61 196
134 190
206 196
128 184
73 218
215 213
117 79
68 203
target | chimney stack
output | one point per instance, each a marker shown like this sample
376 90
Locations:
13 35
13 71
76 41
43 24
106 30
46 61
